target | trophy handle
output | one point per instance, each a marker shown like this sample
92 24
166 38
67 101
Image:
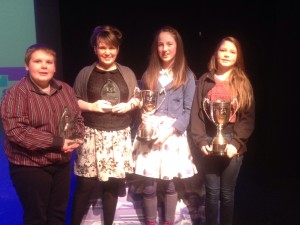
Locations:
236 108
206 102
137 96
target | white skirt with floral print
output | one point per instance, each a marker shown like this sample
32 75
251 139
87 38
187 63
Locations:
172 159
104 154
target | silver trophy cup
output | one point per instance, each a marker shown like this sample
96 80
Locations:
148 104
219 113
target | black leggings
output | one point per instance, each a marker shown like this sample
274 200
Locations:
106 190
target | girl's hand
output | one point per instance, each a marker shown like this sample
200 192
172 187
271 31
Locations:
206 149
162 136
149 119
231 150
121 107
104 106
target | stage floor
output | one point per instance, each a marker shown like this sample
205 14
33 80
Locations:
259 200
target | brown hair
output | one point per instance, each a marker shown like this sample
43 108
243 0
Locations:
179 68
35 47
239 81
107 34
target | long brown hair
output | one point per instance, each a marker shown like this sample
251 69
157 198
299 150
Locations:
239 81
179 68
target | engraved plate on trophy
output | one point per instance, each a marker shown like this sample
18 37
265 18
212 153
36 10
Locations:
111 92
219 113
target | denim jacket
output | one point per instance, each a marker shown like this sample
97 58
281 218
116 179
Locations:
177 103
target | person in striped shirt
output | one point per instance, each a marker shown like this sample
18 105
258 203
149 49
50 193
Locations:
39 156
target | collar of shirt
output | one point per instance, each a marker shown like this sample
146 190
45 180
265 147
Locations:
165 77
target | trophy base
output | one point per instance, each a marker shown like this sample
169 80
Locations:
217 153
218 150
146 139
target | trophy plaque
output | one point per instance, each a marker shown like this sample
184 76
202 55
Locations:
219 113
111 92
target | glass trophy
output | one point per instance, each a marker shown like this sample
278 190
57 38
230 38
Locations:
111 92
68 128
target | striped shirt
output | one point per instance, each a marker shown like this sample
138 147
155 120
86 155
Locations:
30 121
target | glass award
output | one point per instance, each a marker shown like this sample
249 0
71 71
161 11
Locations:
68 128
111 92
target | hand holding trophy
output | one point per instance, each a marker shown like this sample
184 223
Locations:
68 128
148 103
219 112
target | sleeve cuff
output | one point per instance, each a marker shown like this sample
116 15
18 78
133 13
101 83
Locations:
57 142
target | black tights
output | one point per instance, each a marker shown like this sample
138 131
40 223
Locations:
108 191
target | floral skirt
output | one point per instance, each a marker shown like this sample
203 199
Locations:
104 154
172 159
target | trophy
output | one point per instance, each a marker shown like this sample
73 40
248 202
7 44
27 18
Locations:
148 104
219 113
68 128
110 92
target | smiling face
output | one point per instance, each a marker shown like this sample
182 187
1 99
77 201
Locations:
226 55
106 54
41 67
166 48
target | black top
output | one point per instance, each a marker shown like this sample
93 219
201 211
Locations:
98 81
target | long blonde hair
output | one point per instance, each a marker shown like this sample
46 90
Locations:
239 81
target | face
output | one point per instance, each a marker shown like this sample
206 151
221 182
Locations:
166 48
227 55
106 54
41 67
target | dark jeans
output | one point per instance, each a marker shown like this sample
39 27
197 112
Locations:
43 192
220 174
